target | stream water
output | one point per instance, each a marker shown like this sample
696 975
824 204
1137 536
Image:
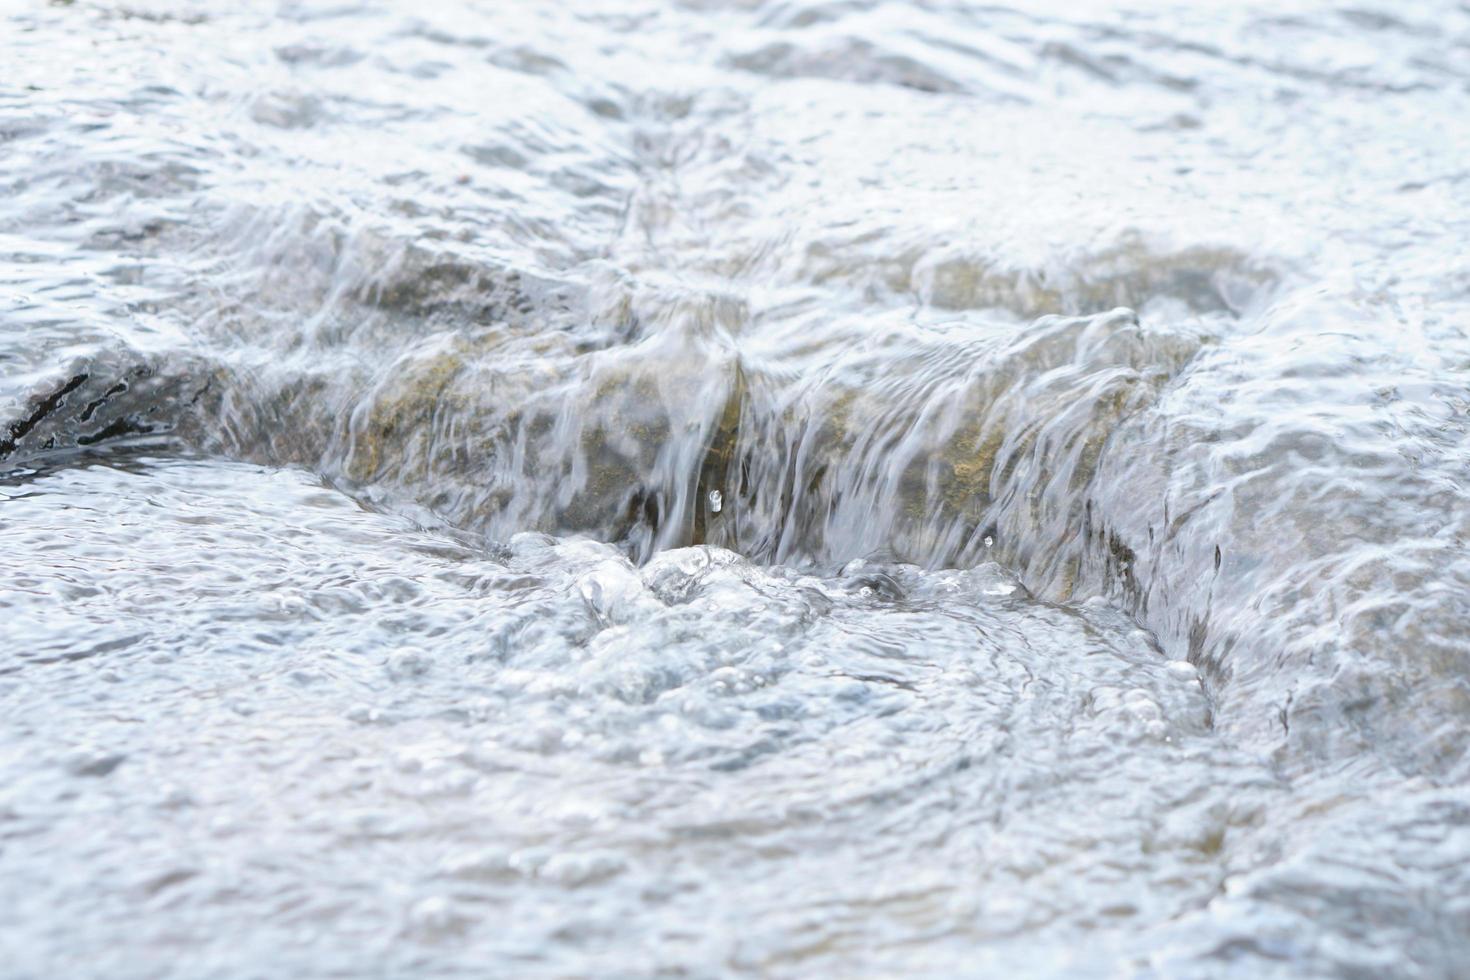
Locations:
766 487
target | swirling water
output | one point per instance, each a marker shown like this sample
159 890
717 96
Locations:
703 488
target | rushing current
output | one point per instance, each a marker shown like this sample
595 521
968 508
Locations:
709 488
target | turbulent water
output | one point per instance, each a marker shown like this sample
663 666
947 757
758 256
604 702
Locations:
768 487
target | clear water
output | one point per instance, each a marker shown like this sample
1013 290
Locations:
758 488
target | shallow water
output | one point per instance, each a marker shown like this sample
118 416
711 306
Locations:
781 488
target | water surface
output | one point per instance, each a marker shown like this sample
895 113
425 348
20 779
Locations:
772 488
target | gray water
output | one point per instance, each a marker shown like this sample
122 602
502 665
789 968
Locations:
774 487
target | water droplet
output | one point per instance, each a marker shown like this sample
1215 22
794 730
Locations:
989 541
1182 669
716 501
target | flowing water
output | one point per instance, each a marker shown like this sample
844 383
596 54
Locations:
767 487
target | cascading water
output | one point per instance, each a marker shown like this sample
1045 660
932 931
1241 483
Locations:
700 488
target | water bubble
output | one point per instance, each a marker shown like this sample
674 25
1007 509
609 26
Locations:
363 714
716 501
573 870
408 663
434 915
